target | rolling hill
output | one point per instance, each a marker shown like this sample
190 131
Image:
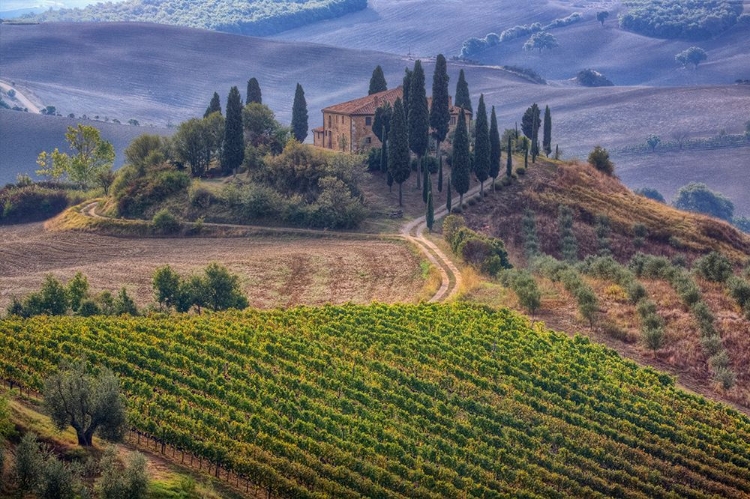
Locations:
124 71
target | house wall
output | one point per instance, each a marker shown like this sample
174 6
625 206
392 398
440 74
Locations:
361 132
338 132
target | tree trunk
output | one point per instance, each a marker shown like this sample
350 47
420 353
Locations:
481 190
461 202
440 168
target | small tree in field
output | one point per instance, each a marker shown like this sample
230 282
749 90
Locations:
540 41
653 141
91 157
693 55
602 16
90 404
599 159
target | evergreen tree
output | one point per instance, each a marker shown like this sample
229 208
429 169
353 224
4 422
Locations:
214 106
426 187
234 144
509 164
463 98
547 137
448 197
461 161
299 115
440 115
494 148
525 153
406 90
535 138
418 117
399 165
381 125
527 121
377 81
253 92
481 146
430 217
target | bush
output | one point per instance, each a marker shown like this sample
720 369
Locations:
524 286
165 223
725 377
591 78
31 203
686 19
599 159
697 197
653 338
487 254
713 267
711 344
650 193
739 290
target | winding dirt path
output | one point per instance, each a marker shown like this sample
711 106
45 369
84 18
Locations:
33 108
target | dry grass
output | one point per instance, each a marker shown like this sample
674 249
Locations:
275 270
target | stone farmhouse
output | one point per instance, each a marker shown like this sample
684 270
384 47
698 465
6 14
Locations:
347 126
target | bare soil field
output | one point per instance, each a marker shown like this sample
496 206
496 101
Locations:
274 271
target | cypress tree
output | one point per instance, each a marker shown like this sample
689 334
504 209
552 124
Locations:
399 165
460 164
377 81
463 99
547 137
253 92
494 148
214 106
299 115
528 121
448 197
426 187
406 89
481 146
233 151
430 216
509 164
389 181
440 115
418 117
525 153
381 125
535 138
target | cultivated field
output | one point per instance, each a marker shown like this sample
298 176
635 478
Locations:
274 271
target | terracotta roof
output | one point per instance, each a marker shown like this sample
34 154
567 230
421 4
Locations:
368 104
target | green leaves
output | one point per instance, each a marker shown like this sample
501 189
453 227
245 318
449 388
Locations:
92 156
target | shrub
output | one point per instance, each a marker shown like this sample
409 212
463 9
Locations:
725 377
711 344
591 78
653 338
739 290
691 20
523 284
705 318
697 197
713 267
31 203
165 223
650 193
599 159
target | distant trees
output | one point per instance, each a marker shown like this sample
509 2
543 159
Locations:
418 117
693 55
547 136
599 159
381 126
253 92
198 142
377 81
495 148
650 193
592 78
216 289
440 112
233 150
463 98
695 20
697 197
90 404
602 16
530 123
214 106
653 141
461 160
398 149
299 115
481 146
91 156
540 41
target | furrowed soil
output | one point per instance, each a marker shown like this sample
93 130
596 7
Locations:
274 271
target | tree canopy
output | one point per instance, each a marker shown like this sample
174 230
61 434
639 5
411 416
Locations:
687 19
495 147
530 118
377 81
463 98
299 115
253 92
461 160
419 115
599 159
697 197
693 55
214 106
440 112
540 41
481 145
233 150
91 157
399 165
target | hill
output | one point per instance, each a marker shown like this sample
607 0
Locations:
401 401
254 17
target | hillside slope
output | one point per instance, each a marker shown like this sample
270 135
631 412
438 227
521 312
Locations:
402 401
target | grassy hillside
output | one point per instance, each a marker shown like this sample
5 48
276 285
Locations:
402 401
254 17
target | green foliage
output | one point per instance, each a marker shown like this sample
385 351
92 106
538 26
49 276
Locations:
460 162
253 92
529 120
650 193
398 148
439 111
29 463
540 41
739 290
463 97
697 197
603 232
214 106
687 19
31 203
693 55
377 81
599 159
217 289
58 480
77 290
530 238
299 115
165 223
568 242
430 215
602 16
486 254
251 17
199 142
261 127
166 285
481 145
418 115
91 156
138 193
146 151
495 147
233 147
267 393
90 404
653 141
116 482
524 286
592 78
714 267
547 135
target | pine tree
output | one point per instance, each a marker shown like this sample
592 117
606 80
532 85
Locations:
481 146
495 152
460 164
418 117
547 137
253 92
430 216
509 164
299 115
377 81
399 165
234 145
448 197
214 106
463 98
440 115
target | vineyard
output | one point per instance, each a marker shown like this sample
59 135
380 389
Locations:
400 401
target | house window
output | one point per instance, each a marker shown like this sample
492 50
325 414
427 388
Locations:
453 121
368 140
329 121
368 121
